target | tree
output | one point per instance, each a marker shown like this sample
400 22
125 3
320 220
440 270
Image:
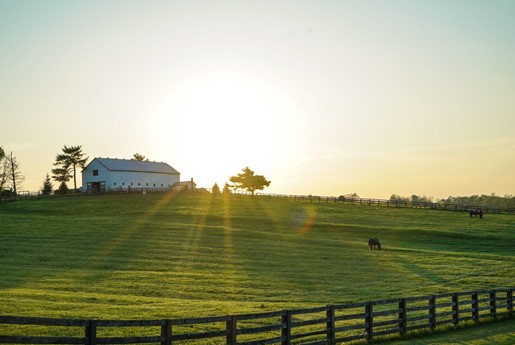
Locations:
215 190
63 188
47 186
67 163
13 173
3 169
62 176
247 180
395 197
139 157
226 189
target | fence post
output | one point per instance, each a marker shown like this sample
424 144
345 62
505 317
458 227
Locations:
475 306
331 336
509 301
432 312
166 333
91 332
230 326
286 328
402 317
455 310
369 321
493 304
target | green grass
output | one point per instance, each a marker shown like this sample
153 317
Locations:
171 256
500 332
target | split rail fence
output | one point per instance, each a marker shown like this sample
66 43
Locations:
333 324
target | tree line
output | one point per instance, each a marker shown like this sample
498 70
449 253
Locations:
490 201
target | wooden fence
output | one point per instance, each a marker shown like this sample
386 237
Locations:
333 324
391 203
7 196
312 198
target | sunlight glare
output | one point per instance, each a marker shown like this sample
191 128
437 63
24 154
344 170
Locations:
227 121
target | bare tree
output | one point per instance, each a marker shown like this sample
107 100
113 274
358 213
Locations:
4 169
14 175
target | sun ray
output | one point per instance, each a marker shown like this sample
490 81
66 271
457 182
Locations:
126 233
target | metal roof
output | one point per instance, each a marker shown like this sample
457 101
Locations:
114 164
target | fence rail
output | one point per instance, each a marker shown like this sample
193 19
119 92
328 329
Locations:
310 198
330 324
391 203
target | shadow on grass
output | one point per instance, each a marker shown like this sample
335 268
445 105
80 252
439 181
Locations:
500 331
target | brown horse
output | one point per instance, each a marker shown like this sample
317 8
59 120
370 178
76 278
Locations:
374 243
476 213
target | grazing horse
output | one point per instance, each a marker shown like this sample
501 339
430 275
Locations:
479 213
374 243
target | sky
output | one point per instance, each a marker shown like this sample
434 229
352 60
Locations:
321 97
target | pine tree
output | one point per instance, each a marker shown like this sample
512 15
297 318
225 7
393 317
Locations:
67 163
227 189
63 188
47 186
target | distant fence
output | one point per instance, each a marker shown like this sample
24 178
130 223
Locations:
391 203
6 196
311 198
331 324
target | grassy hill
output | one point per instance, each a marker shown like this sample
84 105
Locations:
171 256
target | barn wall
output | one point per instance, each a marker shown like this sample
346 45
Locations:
123 179
87 174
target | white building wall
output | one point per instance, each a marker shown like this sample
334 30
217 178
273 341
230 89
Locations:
122 180
106 180
87 174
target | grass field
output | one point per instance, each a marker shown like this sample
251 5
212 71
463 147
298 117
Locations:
172 256
494 332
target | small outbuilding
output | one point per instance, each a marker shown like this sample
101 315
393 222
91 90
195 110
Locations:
108 174
185 186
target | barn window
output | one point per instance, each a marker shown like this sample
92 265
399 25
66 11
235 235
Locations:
95 172
161 185
139 184
154 184
115 183
123 183
147 183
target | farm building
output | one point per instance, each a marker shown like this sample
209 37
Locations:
108 174
184 186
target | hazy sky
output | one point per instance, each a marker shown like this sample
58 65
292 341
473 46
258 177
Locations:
321 97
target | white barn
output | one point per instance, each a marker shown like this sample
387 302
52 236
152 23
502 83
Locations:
108 174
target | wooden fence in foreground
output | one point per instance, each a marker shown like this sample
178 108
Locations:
333 324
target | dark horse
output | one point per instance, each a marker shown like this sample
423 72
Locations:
374 243
476 213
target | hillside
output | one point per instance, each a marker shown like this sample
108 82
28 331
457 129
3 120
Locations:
165 255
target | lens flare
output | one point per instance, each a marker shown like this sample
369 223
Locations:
304 219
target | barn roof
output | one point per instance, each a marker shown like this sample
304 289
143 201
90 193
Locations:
114 164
